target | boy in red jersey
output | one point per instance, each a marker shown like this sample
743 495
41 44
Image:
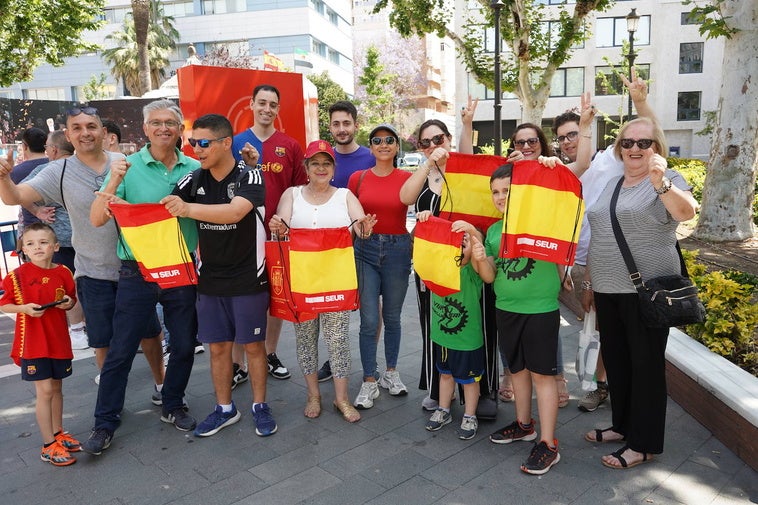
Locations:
40 292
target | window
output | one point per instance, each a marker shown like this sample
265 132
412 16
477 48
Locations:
178 9
553 29
224 6
333 18
688 106
334 56
45 94
691 58
611 32
478 90
319 48
319 6
567 82
608 82
688 19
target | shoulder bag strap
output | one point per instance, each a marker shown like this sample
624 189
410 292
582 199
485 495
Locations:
634 273
360 180
60 185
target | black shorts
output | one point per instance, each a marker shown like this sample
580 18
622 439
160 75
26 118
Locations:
529 340
466 367
39 369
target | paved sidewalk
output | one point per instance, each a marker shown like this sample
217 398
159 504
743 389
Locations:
387 458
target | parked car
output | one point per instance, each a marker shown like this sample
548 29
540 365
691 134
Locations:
410 161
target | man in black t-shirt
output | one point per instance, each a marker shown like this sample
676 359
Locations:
226 199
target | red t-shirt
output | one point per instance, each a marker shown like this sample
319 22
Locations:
381 196
46 336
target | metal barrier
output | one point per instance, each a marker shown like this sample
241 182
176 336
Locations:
8 241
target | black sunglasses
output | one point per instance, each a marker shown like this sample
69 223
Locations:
204 143
377 141
532 141
438 140
75 111
641 143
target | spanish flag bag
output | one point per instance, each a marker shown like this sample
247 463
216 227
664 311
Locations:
322 270
157 244
544 213
436 255
281 304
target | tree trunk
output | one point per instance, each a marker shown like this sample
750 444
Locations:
141 13
726 213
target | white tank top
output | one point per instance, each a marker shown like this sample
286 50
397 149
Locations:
332 214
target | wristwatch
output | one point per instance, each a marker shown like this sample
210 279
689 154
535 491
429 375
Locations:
665 186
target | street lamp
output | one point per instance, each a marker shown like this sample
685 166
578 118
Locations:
498 132
632 20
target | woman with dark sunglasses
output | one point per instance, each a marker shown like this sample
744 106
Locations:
423 190
652 201
383 260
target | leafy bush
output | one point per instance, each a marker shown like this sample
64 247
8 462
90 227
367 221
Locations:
731 313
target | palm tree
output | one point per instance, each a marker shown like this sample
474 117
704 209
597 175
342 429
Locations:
123 59
141 17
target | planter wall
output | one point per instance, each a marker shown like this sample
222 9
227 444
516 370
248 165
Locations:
719 394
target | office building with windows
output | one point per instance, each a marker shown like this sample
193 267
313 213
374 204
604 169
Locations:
682 67
307 36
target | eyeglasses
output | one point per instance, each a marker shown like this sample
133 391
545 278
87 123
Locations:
75 111
641 143
437 140
570 136
204 143
532 141
168 124
377 141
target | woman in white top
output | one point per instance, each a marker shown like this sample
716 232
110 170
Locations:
318 204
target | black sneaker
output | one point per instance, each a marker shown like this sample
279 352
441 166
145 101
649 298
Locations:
98 441
275 367
239 376
541 459
179 418
325 372
513 432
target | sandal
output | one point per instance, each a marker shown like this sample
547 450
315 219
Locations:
348 412
505 392
599 436
312 407
563 394
624 465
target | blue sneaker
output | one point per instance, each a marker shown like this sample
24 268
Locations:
264 421
216 420
98 441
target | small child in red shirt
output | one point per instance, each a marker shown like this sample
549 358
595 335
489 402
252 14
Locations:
40 292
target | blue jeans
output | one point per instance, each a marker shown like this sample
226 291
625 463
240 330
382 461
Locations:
384 267
134 320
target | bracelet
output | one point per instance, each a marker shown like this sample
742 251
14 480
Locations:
665 186
586 286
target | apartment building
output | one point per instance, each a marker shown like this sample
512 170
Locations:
308 36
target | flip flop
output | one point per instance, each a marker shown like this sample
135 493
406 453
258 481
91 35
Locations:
624 464
505 392
599 436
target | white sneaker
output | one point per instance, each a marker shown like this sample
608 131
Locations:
366 396
97 379
390 380
429 404
78 338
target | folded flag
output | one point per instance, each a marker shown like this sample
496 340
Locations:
322 270
544 213
281 304
157 243
467 193
436 253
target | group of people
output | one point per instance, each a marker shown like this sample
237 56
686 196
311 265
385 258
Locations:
229 200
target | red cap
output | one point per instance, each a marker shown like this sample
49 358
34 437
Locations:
319 146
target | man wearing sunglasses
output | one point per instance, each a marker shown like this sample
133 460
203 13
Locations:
281 160
148 175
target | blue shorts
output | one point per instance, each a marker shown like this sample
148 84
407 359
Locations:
466 367
239 319
39 369
529 341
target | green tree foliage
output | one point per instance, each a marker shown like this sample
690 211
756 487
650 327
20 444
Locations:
95 89
379 105
536 51
123 57
328 93
33 32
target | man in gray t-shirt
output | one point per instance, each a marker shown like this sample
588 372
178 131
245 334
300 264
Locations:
71 183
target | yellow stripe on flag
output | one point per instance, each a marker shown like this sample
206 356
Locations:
473 195
309 275
558 218
142 238
435 263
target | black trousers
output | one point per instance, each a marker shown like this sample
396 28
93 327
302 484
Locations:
634 357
